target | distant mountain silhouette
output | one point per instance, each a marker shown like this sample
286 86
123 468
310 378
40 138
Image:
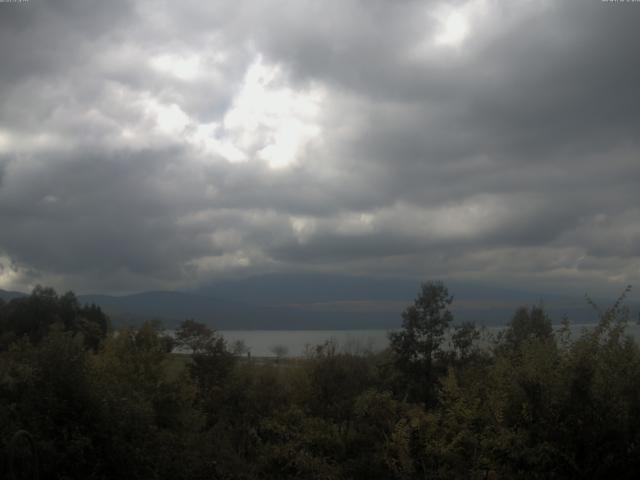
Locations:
353 298
8 295
317 301
171 307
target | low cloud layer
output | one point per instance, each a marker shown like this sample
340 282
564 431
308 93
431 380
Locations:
166 144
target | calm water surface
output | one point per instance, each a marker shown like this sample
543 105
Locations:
261 343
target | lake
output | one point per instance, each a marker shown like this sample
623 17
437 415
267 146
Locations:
262 342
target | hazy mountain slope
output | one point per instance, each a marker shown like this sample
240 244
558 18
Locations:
288 301
8 295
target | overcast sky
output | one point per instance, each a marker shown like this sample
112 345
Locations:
158 144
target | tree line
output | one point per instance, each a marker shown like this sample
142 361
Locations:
79 400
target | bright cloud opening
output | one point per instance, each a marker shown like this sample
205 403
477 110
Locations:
454 27
179 66
455 23
169 120
9 275
270 121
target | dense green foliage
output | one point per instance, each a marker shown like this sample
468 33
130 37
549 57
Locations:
443 401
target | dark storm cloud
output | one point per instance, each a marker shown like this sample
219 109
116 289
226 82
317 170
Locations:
509 153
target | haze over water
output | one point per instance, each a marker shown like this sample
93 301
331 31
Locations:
296 342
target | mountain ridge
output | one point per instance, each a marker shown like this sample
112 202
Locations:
318 302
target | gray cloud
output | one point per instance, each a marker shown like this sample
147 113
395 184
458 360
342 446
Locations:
137 141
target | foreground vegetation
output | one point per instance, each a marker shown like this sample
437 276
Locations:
98 404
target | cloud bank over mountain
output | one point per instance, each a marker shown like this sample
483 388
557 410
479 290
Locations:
165 145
